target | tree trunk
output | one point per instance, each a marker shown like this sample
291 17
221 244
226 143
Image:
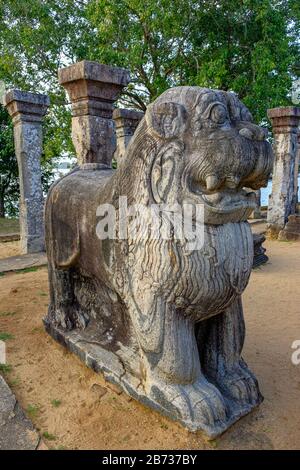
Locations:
2 211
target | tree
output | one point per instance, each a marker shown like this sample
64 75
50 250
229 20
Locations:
9 184
248 46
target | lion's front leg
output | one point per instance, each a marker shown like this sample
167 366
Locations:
171 371
222 337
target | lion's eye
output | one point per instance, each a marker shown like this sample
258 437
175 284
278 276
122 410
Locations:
246 115
219 114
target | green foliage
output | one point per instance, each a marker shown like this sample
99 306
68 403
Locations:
31 269
7 314
33 410
9 182
56 403
5 368
5 336
248 46
48 436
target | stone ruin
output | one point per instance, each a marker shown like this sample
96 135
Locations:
27 111
283 221
159 319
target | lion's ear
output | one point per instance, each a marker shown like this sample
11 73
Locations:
167 119
163 172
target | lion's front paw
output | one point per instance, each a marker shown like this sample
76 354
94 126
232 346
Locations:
199 405
241 385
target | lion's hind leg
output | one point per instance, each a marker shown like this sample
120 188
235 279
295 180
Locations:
223 336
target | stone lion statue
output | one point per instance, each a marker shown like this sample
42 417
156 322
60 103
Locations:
163 322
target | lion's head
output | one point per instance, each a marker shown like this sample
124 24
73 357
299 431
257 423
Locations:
201 146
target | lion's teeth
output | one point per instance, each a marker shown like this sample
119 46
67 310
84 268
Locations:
213 198
212 182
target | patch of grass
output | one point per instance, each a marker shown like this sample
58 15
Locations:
5 368
213 444
42 294
9 225
56 403
7 314
37 329
2 274
15 382
33 410
5 336
164 426
27 270
48 436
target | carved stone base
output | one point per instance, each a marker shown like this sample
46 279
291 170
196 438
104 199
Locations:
259 257
114 368
291 231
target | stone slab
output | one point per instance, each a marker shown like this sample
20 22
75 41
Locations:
110 365
16 430
16 263
9 237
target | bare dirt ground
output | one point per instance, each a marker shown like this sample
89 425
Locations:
75 409
9 249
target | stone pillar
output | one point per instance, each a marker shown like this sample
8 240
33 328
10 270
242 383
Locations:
27 111
282 201
297 163
126 121
93 88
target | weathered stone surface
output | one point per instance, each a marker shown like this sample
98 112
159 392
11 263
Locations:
260 256
27 111
283 200
161 320
291 231
16 431
17 263
126 122
93 88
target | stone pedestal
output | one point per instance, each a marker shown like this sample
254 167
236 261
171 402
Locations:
259 256
282 201
27 111
126 121
291 231
93 88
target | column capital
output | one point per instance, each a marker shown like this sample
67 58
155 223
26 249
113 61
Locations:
93 87
126 120
284 119
26 106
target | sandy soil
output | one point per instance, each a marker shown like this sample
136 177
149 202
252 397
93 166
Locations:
87 414
9 249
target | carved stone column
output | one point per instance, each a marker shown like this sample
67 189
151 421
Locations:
126 121
297 163
93 88
256 214
282 201
27 111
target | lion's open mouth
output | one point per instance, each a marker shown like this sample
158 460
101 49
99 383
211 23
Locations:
226 200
